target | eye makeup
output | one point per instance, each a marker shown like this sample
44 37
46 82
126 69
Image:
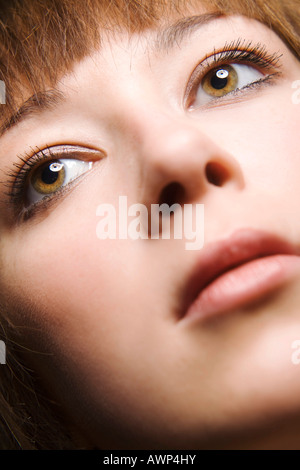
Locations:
237 52
24 176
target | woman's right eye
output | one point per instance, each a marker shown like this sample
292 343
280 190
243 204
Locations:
51 176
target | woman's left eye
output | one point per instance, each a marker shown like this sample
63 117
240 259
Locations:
50 176
225 79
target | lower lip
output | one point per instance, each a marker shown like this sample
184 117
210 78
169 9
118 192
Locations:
244 284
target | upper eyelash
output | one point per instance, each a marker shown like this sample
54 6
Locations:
17 176
241 50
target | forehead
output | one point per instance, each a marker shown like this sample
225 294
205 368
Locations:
38 45
48 43
196 37
122 55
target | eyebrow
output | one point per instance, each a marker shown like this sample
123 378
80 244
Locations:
36 104
182 29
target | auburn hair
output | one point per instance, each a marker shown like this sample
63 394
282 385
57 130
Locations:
40 40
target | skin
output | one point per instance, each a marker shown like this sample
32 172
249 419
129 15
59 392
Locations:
101 316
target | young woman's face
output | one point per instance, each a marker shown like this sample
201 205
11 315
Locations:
113 326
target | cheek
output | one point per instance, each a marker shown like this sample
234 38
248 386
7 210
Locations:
60 266
263 136
82 293
78 294
96 320
275 165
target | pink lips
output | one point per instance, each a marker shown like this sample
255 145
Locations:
243 268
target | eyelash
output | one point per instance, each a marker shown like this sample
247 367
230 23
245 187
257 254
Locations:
17 179
238 51
25 164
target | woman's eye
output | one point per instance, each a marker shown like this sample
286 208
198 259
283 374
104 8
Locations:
49 177
225 79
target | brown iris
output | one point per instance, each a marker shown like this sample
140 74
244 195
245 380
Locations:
48 177
220 81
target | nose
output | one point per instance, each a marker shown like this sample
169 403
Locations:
179 163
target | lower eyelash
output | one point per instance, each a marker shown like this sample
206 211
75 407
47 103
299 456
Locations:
25 213
17 177
266 81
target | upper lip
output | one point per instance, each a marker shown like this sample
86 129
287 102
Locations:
242 246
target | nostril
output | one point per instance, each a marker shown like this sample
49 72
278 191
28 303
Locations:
173 193
216 174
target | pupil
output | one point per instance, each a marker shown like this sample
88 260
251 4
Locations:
219 80
48 176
